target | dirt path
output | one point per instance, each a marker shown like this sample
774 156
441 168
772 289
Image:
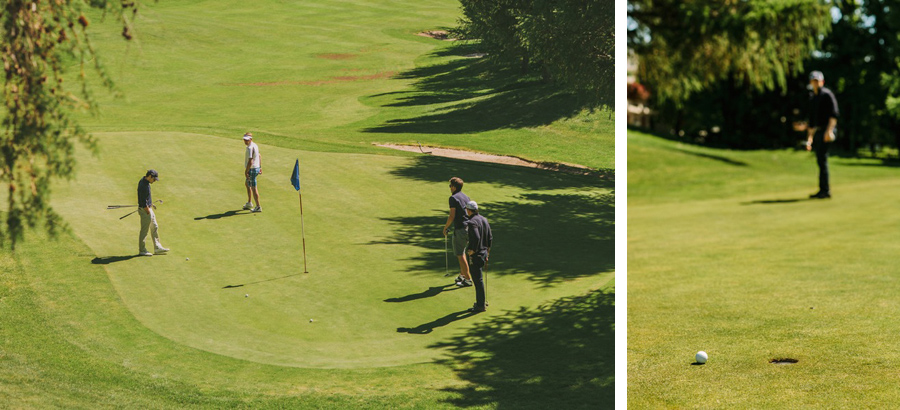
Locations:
496 159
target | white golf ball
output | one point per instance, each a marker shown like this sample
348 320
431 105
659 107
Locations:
702 357
310 320
187 259
247 295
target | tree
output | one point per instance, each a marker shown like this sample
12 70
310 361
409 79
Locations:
685 47
40 40
571 42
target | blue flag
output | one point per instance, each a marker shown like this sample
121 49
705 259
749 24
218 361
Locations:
295 177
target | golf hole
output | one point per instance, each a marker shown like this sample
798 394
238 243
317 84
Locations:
785 360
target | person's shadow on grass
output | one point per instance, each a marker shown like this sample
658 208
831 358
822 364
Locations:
110 259
222 215
432 291
772 201
427 328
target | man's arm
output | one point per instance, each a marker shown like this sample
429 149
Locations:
449 220
829 131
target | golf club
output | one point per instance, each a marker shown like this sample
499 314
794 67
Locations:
126 206
138 208
446 261
422 150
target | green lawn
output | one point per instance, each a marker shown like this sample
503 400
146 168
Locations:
727 255
224 319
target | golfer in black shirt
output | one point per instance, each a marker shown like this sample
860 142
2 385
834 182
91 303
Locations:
478 249
823 115
148 218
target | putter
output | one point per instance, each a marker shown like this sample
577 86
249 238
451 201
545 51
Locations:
138 208
108 207
446 261
422 150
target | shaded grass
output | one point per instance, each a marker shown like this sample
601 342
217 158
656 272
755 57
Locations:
741 265
569 344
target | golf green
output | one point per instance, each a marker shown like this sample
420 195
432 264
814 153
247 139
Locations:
375 293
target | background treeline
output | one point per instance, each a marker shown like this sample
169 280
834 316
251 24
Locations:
741 68
568 42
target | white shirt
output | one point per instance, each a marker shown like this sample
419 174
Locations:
252 153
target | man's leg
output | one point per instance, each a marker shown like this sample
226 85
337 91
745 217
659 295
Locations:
477 270
822 161
145 227
460 240
256 195
464 270
154 232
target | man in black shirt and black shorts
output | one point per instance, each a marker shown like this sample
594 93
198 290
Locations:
823 115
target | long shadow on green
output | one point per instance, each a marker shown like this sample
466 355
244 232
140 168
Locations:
549 238
439 170
484 96
560 355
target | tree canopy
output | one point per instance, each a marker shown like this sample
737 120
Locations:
687 46
568 41
41 40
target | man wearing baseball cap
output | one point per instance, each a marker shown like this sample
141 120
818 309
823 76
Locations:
148 218
252 169
823 115
478 249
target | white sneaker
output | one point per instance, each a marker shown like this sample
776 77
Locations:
257 209
248 205
145 253
161 250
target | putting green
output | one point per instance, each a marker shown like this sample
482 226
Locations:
375 288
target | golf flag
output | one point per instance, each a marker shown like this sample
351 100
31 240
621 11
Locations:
295 181
295 177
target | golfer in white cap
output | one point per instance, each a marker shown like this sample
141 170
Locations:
252 169
478 249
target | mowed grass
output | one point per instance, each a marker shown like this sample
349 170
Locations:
726 255
335 76
86 324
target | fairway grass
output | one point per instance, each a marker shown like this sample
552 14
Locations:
726 255
388 327
223 320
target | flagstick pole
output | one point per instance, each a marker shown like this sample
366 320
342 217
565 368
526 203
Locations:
303 234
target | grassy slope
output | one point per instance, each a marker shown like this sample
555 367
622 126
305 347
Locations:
70 336
335 76
726 255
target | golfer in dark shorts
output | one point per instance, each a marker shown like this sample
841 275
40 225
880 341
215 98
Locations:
479 247
457 220
823 115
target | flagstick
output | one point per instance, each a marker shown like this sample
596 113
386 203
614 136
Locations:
303 234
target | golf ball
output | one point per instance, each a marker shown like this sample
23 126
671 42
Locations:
701 357
310 320
247 295
187 259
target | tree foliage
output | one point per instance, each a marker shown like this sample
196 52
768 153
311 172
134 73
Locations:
41 40
568 41
685 47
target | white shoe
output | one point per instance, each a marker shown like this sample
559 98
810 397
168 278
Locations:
145 253
257 209
248 205
161 250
